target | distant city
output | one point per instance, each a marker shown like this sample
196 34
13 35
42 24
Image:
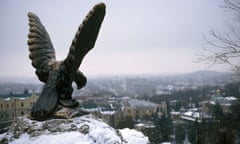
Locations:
129 85
199 107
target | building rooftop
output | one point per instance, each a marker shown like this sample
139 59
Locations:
223 101
21 96
140 103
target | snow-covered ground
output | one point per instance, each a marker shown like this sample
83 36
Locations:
133 136
81 130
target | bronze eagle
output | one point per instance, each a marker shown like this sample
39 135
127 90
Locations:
59 75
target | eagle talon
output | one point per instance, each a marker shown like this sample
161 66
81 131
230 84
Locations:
70 103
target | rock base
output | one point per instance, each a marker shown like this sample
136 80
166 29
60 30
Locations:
78 130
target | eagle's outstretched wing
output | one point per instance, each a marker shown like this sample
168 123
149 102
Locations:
85 37
41 49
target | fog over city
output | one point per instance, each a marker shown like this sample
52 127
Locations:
147 37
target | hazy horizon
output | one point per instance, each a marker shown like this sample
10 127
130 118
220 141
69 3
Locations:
34 79
136 38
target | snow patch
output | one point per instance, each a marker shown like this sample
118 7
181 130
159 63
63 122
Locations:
133 136
63 131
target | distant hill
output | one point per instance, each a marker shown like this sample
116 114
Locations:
201 76
20 80
198 75
208 75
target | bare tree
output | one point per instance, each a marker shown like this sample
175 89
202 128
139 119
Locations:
224 48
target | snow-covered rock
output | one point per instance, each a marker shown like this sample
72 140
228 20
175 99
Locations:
79 130
133 137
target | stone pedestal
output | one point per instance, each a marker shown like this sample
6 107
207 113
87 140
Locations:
79 130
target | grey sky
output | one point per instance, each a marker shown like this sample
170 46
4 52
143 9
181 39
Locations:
137 37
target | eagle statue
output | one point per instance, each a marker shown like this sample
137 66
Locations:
58 76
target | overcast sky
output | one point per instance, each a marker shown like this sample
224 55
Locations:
136 37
